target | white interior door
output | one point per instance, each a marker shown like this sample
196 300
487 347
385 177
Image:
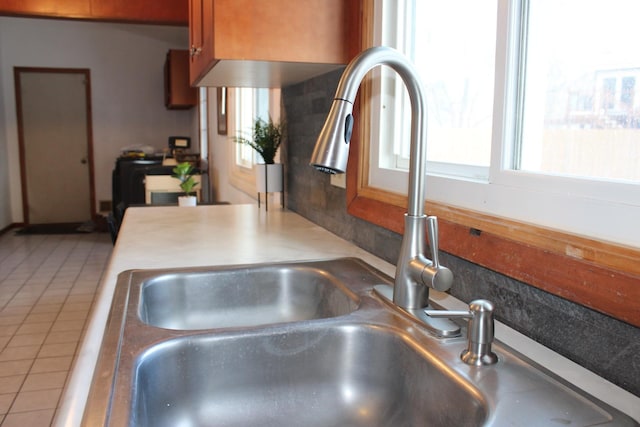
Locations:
55 142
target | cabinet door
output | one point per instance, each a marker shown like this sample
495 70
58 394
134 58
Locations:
178 92
200 38
271 43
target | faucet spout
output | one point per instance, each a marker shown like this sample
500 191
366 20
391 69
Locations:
414 272
337 128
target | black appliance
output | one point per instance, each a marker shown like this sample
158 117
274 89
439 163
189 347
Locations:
127 180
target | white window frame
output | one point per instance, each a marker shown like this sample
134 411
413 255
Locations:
598 209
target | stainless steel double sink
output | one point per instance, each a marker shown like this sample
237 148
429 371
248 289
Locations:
304 344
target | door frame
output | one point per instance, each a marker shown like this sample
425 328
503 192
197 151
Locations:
21 144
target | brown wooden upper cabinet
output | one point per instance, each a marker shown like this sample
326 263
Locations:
257 43
178 93
167 12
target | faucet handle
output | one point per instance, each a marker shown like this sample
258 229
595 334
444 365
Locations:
435 275
432 231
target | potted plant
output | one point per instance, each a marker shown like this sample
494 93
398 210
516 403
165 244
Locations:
266 137
184 173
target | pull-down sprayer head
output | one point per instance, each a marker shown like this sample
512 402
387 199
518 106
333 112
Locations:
332 148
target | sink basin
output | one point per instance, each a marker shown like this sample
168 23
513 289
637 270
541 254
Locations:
304 344
342 376
243 296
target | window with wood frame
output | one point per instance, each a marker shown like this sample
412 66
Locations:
543 224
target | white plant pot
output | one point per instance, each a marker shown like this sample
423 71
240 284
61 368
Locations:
273 181
187 201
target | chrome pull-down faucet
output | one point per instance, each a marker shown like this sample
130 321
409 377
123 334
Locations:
415 273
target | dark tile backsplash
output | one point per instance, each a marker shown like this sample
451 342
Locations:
600 343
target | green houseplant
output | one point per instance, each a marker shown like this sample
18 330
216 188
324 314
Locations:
184 173
266 137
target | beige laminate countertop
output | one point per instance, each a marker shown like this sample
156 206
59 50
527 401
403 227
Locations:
161 237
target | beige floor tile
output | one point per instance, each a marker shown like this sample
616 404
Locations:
27 339
58 337
28 295
56 299
83 290
11 320
78 316
60 286
15 311
14 367
53 291
55 350
11 384
76 306
80 298
45 300
56 289
33 289
8 330
40 317
5 402
66 325
41 418
44 381
46 308
33 328
51 364
35 400
24 299
19 353
20 302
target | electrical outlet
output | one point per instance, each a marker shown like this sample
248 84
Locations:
339 180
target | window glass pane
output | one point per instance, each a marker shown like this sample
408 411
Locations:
581 114
250 105
453 46
244 117
204 122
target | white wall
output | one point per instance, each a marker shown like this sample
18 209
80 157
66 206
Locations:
220 153
127 90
